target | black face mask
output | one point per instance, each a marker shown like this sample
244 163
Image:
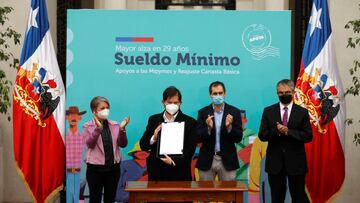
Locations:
285 99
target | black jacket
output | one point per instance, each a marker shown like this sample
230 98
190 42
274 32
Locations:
227 139
157 169
285 151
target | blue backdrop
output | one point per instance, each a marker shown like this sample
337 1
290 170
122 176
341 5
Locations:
130 57
247 50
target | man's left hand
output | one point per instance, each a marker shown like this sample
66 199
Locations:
229 120
167 160
282 128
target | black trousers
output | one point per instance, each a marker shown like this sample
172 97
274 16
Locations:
99 178
296 186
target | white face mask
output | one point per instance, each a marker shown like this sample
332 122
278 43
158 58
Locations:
172 108
103 114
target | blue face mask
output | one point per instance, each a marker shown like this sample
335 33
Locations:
218 100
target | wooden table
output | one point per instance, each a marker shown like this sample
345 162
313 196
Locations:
180 191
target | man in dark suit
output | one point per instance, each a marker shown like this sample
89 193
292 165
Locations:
286 127
169 168
219 128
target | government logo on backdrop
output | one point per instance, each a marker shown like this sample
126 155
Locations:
256 39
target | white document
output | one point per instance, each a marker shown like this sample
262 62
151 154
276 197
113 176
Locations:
172 138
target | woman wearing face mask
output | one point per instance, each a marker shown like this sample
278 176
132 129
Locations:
169 168
103 137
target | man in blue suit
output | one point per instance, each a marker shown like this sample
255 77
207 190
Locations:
219 128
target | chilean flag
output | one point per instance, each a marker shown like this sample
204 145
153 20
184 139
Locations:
319 89
39 110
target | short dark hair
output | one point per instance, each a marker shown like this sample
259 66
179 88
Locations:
171 92
96 101
215 84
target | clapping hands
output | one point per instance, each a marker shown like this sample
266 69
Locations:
283 130
124 122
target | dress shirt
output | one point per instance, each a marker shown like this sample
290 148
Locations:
218 120
289 106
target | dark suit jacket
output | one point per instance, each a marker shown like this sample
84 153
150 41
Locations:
157 169
227 139
286 152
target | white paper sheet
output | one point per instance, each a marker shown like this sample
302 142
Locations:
172 138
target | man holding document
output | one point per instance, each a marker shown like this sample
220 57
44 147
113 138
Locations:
171 138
